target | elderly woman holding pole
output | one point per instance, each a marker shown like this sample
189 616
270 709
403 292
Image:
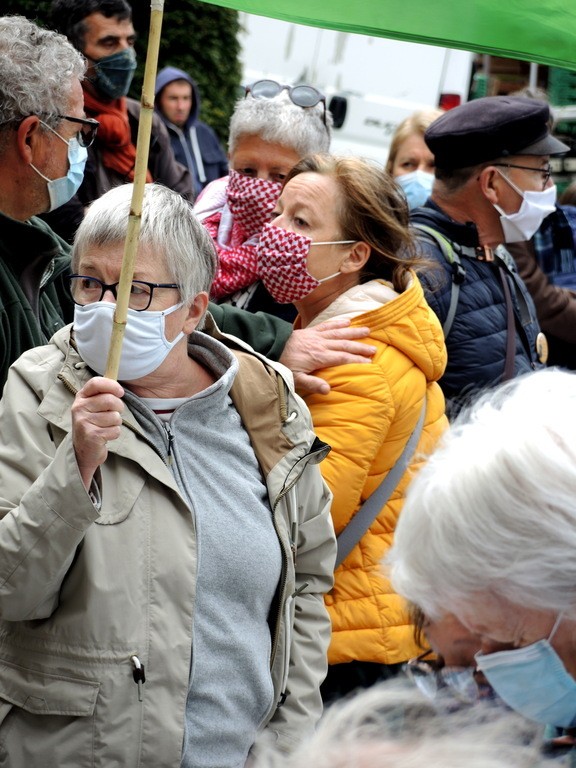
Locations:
165 541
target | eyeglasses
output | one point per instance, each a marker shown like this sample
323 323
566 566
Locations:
433 681
87 132
87 290
305 96
545 172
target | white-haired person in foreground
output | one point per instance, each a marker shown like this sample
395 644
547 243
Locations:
271 129
392 725
165 541
488 532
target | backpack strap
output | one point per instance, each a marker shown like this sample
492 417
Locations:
458 272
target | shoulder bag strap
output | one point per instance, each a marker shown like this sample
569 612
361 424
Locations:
363 519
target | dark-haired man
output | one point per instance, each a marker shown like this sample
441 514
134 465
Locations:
102 31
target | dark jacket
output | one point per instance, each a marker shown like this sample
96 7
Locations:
547 264
476 341
98 179
34 300
207 160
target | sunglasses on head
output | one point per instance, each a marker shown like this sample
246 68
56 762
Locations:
305 96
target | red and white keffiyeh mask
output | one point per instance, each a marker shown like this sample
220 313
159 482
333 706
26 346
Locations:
282 264
251 201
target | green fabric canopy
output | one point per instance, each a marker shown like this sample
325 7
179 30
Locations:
542 31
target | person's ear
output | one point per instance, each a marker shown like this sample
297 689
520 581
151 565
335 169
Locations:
196 312
490 183
27 137
357 258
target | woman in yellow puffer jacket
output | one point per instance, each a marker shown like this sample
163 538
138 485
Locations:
340 247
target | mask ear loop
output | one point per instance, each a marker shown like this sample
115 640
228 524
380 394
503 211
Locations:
556 625
510 183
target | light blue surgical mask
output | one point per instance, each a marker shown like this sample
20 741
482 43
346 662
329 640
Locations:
417 187
113 74
533 681
63 189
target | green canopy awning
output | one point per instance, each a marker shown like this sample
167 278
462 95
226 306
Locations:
542 31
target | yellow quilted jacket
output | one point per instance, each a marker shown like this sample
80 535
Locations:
367 418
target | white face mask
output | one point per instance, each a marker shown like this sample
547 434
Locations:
144 347
522 225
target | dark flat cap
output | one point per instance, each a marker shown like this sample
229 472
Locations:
490 128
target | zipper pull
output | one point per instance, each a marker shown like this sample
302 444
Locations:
138 674
170 441
293 534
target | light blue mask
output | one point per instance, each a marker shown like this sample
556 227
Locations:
533 681
113 74
63 189
417 187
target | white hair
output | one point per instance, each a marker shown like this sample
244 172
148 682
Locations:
494 508
37 68
391 725
168 227
279 121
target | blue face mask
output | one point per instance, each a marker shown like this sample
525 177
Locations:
533 681
113 74
63 189
417 187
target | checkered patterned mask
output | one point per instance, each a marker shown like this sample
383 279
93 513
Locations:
251 201
282 259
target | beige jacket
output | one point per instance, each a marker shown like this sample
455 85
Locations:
83 592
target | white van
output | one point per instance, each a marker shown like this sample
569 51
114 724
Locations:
371 83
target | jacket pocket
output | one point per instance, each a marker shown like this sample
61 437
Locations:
123 490
45 719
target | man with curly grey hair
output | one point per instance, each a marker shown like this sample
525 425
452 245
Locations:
43 139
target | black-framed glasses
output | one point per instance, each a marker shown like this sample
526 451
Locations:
305 96
545 172
88 130
85 289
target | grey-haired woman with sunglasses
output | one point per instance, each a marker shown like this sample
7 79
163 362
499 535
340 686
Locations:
272 128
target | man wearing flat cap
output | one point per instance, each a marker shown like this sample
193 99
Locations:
492 186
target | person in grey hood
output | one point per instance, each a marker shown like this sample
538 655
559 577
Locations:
194 143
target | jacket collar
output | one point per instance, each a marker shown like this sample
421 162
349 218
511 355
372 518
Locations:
433 216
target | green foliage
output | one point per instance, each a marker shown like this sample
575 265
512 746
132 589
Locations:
202 40
32 9
199 38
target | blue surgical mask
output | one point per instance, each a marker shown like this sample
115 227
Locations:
113 74
417 187
63 189
533 681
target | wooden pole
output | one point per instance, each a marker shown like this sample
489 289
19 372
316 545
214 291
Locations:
140 171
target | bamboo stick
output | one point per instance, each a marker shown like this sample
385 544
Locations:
140 170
